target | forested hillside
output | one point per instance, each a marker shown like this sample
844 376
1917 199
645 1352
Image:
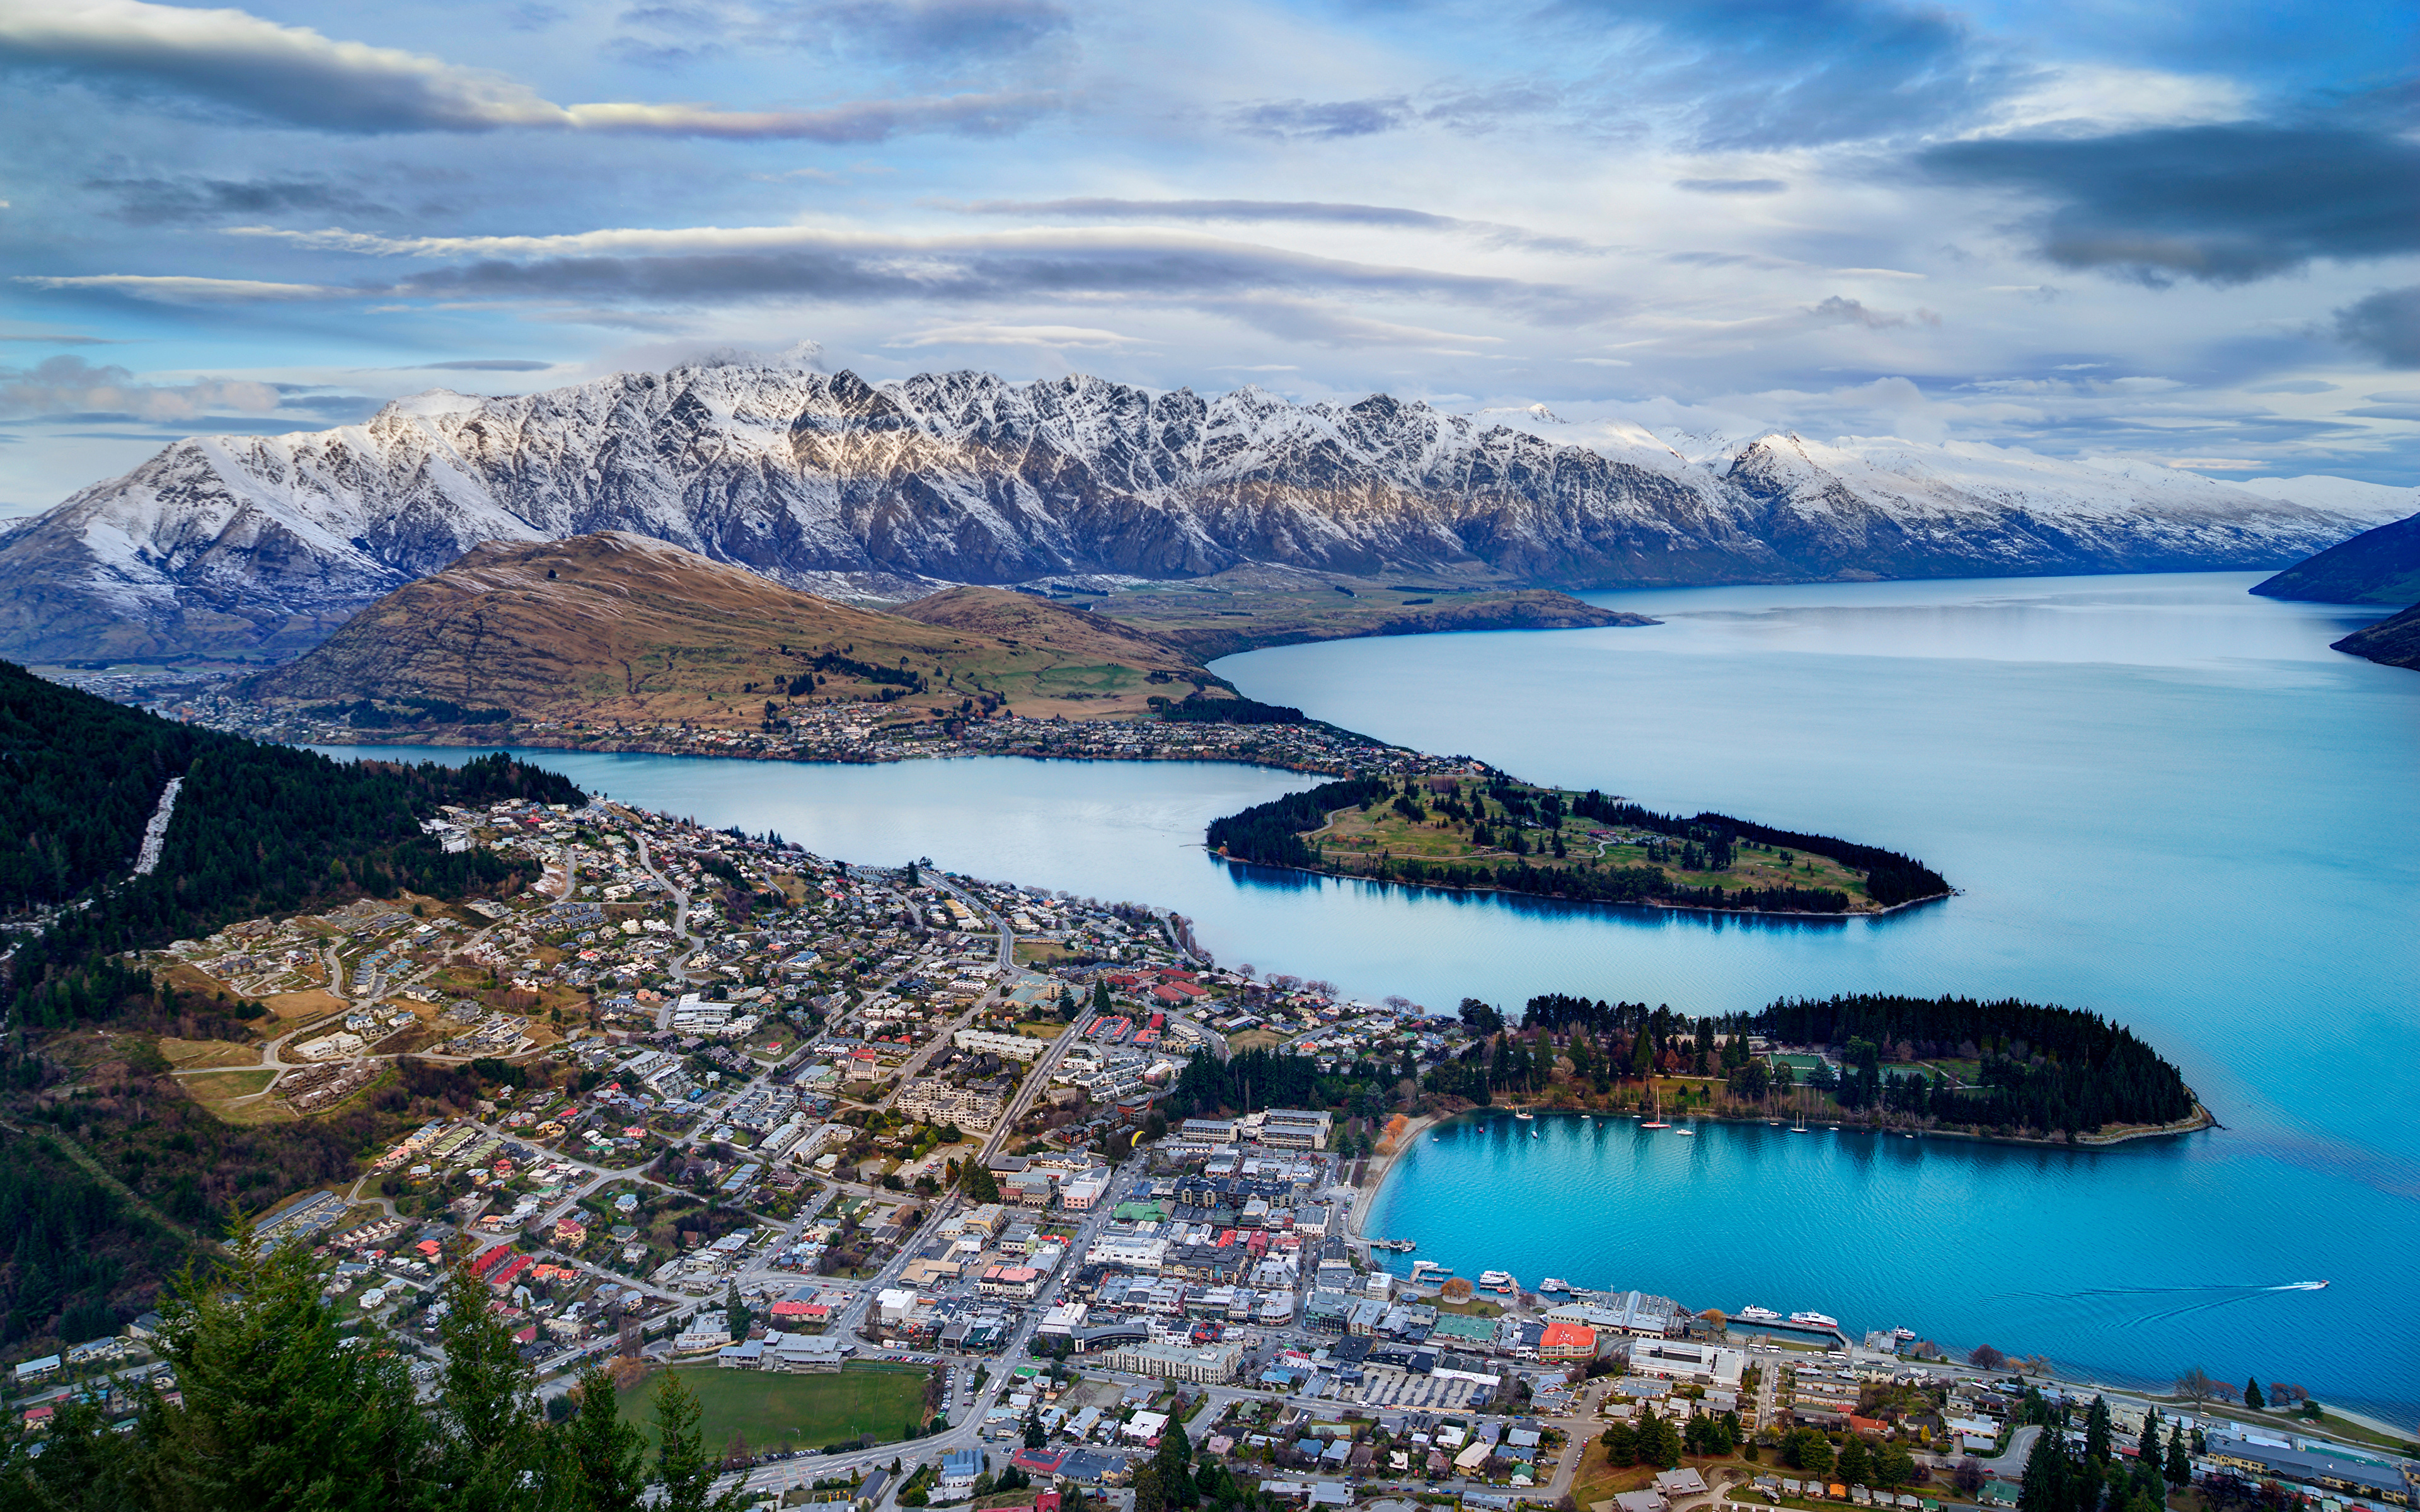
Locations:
256 830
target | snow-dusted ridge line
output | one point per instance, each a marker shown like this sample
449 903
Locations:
833 484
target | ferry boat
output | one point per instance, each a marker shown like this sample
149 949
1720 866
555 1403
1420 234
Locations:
1401 1246
1758 1314
1496 1281
1811 1320
1552 1284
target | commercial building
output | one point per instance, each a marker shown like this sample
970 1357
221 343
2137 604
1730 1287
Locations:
1679 1360
992 1043
1632 1313
1567 1341
1211 1365
1294 1129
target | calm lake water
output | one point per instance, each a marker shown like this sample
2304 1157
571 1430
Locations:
2162 798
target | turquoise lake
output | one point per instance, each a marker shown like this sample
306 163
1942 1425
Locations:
2161 797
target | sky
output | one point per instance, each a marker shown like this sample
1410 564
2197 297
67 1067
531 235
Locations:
2188 233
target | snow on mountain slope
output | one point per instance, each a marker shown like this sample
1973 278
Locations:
1892 508
2343 495
263 545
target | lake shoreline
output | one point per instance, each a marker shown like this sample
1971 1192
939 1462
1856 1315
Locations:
2201 1118
1653 904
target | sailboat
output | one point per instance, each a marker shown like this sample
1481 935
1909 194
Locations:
1654 1110
1799 1126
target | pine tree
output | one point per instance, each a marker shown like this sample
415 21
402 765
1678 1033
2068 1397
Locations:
2046 1485
1621 1445
1855 1466
2252 1395
682 1464
485 1420
2096 1432
2179 1469
598 1463
275 1412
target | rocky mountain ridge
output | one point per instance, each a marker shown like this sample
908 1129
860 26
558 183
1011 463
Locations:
831 485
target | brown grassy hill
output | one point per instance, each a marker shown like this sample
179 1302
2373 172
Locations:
618 627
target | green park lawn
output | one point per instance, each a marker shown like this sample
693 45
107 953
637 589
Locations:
805 1411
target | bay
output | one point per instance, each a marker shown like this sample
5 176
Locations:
2163 799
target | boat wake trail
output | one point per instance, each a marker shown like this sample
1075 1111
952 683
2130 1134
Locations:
2186 1300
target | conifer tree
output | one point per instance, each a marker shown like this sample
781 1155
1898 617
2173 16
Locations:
597 1463
1855 1467
487 1423
683 1466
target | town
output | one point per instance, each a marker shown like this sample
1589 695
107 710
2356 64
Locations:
897 1143
871 731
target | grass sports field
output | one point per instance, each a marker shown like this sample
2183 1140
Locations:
778 1410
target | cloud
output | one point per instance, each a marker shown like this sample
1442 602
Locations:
2386 325
65 341
1789 75
159 201
1732 186
2296 386
1321 120
479 365
724 264
1320 212
298 76
2219 204
993 335
72 386
1844 311
1322 324
182 290
938 29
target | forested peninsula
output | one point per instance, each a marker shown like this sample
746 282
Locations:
2002 1070
1487 832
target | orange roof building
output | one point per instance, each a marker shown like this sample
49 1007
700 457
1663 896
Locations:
1567 1341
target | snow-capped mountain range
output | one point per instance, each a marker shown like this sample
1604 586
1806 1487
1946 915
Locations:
245 545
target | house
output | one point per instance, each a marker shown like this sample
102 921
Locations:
960 1468
1683 1482
33 1371
1640 1501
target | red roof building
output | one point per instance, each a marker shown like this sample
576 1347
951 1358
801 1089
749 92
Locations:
1567 1341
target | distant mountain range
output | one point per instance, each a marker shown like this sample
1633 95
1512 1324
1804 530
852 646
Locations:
258 546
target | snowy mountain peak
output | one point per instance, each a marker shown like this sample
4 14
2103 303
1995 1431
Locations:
826 482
